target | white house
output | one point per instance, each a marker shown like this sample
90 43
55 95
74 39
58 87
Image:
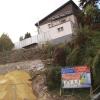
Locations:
56 28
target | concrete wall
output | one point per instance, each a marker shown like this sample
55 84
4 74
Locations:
63 39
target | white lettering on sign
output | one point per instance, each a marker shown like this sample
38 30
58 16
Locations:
71 83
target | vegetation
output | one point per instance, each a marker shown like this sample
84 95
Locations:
83 50
21 38
89 13
59 56
47 49
53 78
5 43
27 35
87 40
84 3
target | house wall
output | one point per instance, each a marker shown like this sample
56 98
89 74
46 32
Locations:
53 36
54 25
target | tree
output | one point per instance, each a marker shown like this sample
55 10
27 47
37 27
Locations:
5 43
21 38
27 35
84 3
90 11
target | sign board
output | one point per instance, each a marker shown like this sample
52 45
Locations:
76 77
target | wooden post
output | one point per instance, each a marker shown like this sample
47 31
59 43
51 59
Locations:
91 92
60 91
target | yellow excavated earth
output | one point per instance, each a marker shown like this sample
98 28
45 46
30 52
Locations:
16 86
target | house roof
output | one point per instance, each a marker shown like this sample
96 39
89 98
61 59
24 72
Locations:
67 3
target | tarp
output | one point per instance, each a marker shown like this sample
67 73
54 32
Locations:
16 86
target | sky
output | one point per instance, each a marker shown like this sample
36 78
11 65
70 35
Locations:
19 16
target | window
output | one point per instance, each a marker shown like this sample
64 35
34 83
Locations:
60 29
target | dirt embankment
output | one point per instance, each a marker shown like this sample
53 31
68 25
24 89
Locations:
42 93
16 86
21 55
38 80
23 59
25 66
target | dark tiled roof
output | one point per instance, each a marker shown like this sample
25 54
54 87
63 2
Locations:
69 2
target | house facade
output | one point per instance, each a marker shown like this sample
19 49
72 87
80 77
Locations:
61 22
57 27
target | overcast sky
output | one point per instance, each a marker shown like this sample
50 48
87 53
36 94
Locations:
19 16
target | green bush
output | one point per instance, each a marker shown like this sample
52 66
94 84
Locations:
47 49
73 57
96 69
5 43
84 52
59 55
83 35
53 78
27 35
